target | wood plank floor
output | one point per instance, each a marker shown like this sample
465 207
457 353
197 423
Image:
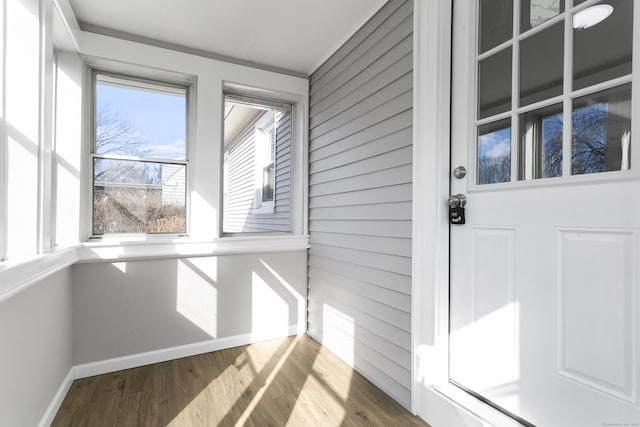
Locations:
286 382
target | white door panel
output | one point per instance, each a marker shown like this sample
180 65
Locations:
545 287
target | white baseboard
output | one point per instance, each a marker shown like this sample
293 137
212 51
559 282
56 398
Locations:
165 354
57 400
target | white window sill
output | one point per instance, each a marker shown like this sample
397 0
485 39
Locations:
20 274
127 250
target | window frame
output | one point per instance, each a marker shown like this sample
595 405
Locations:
242 94
266 129
569 94
137 81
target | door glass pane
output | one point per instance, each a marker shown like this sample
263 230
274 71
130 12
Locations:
535 12
541 65
541 143
601 124
494 83
494 152
496 23
603 51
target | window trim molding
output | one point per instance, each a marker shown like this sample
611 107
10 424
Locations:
146 77
19 275
299 152
131 250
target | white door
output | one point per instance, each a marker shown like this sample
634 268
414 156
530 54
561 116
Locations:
545 273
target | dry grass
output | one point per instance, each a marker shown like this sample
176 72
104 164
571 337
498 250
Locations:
136 211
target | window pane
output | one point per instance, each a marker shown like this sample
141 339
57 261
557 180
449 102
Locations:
541 65
601 125
257 168
144 121
494 84
496 23
603 51
541 143
535 12
494 152
138 197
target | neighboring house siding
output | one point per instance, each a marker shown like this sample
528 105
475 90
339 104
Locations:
173 185
360 200
240 197
282 195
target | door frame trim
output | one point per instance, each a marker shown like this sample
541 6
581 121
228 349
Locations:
433 398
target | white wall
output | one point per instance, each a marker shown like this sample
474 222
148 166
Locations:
35 355
122 308
127 308
139 305
35 289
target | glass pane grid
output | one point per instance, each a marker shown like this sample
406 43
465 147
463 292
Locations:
139 158
550 148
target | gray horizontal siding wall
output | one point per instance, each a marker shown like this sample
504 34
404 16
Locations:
241 192
360 200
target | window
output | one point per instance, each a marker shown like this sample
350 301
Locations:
139 157
257 165
554 90
541 143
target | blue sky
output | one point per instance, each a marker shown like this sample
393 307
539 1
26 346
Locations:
158 118
495 145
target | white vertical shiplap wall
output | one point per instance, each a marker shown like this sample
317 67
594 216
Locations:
360 115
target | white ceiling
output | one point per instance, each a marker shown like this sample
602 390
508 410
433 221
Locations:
294 35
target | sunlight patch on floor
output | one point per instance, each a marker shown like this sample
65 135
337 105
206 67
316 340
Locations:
268 380
335 376
324 402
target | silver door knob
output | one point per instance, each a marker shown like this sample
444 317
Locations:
459 172
457 200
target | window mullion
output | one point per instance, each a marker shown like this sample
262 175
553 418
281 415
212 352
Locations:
3 175
567 88
138 159
515 94
45 240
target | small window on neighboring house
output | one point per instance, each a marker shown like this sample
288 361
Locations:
139 157
268 175
257 165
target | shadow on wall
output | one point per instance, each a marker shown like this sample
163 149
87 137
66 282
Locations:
127 308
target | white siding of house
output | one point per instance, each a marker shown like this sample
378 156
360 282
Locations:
239 216
360 200
173 184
